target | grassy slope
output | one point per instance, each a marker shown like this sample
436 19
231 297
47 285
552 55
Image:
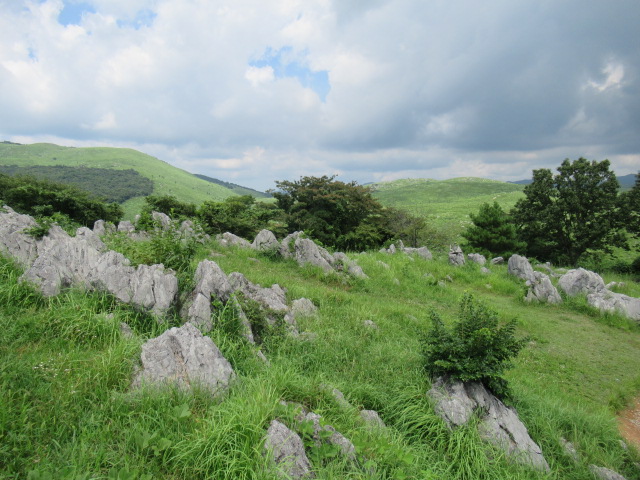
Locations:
168 180
447 202
65 370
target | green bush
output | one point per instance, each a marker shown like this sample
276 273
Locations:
477 348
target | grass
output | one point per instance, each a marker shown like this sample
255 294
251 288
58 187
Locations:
167 180
447 203
65 370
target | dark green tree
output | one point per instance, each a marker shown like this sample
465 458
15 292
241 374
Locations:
566 214
493 233
630 208
338 214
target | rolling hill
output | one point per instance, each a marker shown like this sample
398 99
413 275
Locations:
167 180
447 203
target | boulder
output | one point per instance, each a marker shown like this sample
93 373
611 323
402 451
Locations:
351 267
14 242
210 283
126 226
287 450
347 449
497 261
456 257
604 473
477 258
422 252
581 281
455 403
162 220
265 241
287 249
520 267
273 298
542 290
228 239
370 324
570 449
616 302
308 253
184 358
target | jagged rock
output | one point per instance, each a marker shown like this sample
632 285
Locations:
14 242
99 227
347 448
273 298
161 219
497 261
228 239
582 281
266 241
91 238
126 226
184 358
477 258
616 302
456 257
287 249
308 253
300 308
422 252
287 451
455 403
372 418
604 473
520 267
541 289
570 449
339 396
352 268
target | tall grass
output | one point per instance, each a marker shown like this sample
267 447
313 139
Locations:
68 412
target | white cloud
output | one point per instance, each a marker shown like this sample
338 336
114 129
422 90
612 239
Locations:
427 88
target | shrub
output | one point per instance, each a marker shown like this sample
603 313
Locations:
477 348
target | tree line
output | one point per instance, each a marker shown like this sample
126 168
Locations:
563 217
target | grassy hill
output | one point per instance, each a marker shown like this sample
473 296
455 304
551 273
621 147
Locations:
447 203
240 190
67 411
167 180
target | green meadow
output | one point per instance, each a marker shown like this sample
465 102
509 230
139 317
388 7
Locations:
68 412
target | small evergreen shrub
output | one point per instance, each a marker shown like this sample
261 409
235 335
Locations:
476 348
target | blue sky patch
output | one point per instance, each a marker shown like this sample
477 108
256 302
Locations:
286 63
144 18
72 13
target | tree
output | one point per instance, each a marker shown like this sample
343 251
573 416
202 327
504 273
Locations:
630 208
338 214
477 348
565 215
493 232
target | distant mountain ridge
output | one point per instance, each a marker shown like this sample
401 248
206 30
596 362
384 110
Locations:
626 181
240 190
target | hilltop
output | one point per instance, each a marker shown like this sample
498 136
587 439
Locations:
167 179
447 203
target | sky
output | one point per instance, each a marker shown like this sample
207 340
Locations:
256 91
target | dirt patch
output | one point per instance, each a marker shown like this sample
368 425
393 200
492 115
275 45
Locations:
629 424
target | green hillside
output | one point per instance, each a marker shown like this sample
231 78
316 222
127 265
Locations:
167 180
447 203
239 189
68 411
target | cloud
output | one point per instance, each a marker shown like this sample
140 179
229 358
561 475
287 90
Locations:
255 91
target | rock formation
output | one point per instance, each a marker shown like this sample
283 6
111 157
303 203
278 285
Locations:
540 287
456 257
455 403
287 450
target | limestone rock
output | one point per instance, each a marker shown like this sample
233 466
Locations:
347 449
273 298
616 302
287 249
14 242
162 220
265 241
520 267
422 252
184 358
455 403
579 281
570 449
477 258
351 267
228 239
604 473
370 324
308 253
287 450
372 418
542 290
126 226
456 257
497 261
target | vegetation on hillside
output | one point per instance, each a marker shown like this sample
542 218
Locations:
45 200
111 185
493 233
